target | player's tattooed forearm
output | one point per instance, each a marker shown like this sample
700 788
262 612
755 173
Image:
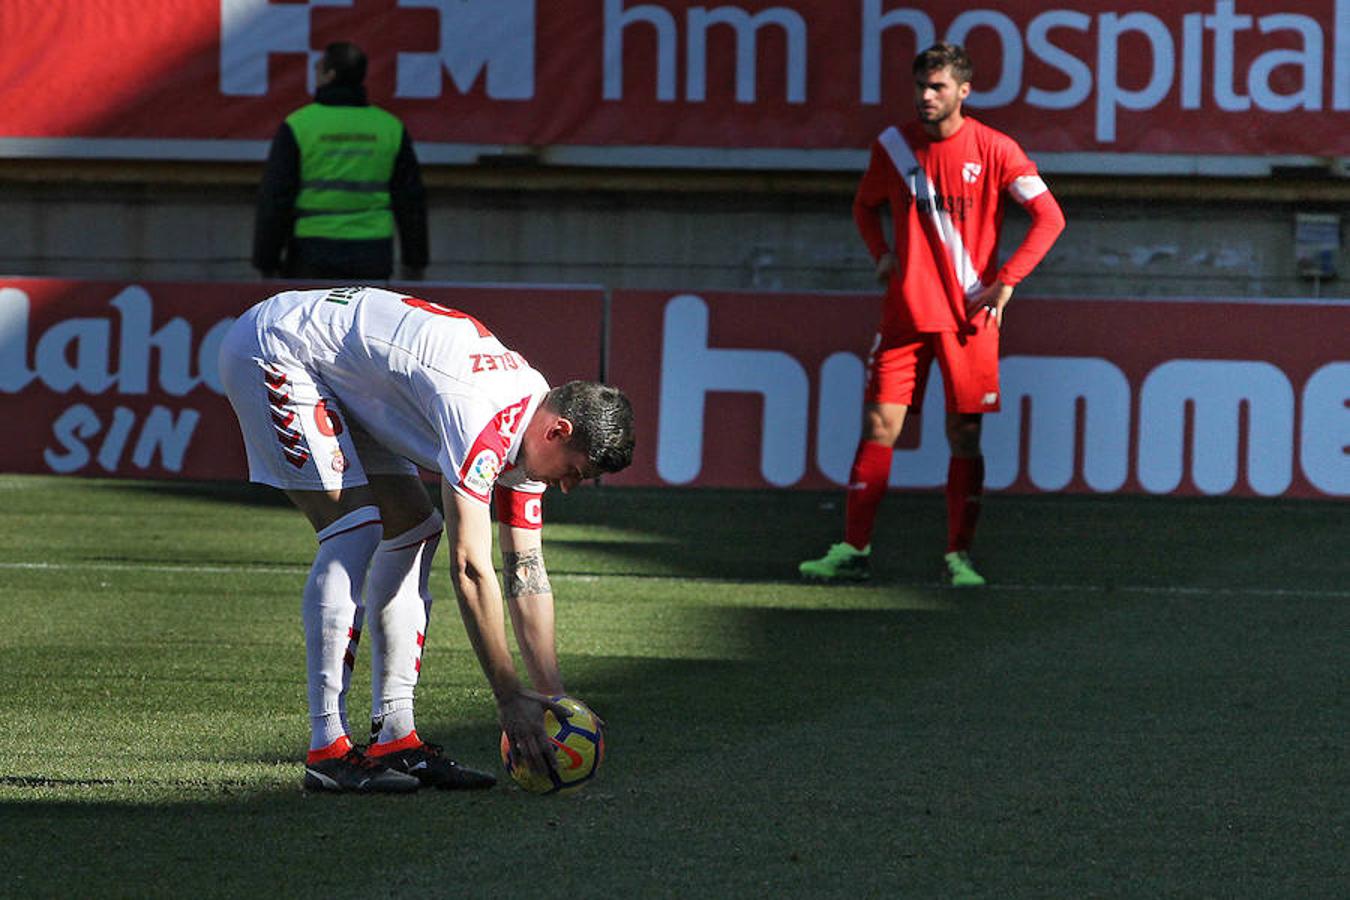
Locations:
524 573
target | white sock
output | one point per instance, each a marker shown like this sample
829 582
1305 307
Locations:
329 612
349 664
394 723
399 605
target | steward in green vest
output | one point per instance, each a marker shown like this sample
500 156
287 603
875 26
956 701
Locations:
341 178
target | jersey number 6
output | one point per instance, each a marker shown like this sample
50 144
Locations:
327 421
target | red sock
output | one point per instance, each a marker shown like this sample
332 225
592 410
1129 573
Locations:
409 742
867 483
965 489
341 747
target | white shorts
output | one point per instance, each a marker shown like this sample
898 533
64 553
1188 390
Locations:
296 434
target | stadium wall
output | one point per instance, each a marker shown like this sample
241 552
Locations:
699 230
649 143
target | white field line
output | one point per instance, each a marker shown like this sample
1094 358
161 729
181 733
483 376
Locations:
1030 587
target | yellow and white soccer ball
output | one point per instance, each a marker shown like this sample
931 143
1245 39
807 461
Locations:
578 746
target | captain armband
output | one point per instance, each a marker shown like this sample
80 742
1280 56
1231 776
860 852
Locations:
1027 188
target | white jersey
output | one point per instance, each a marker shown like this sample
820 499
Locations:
427 382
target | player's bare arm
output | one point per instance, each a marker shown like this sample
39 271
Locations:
524 573
468 527
529 597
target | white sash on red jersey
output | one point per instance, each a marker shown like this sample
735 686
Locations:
940 224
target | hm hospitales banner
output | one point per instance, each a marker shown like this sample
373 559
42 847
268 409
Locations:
213 78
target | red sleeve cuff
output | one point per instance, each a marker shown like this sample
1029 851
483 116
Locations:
519 509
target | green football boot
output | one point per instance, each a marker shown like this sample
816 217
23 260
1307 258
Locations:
843 562
960 571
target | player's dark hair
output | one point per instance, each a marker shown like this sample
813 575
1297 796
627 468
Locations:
942 55
347 62
602 422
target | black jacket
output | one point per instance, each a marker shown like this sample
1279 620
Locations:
277 250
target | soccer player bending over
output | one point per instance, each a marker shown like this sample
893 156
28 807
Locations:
341 394
946 178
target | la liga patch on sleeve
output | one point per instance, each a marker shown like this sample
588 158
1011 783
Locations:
480 471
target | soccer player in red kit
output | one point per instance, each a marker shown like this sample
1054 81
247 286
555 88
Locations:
945 178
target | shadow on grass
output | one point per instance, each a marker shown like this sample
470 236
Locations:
682 734
1046 747
744 535
1055 743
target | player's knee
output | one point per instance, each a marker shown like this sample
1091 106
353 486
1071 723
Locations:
874 432
963 435
879 427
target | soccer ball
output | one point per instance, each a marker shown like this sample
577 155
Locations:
578 745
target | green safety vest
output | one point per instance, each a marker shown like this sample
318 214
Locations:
346 158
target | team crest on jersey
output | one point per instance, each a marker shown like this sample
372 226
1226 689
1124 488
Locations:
339 462
508 421
970 172
482 471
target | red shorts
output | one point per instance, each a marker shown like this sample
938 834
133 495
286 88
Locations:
898 366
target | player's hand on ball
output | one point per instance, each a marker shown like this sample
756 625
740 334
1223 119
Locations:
578 742
522 718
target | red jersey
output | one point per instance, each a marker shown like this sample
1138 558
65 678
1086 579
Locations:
947 201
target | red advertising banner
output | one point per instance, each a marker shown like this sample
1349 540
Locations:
117 379
213 78
1193 397
751 390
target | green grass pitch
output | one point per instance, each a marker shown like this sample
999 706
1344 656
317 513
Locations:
1150 700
